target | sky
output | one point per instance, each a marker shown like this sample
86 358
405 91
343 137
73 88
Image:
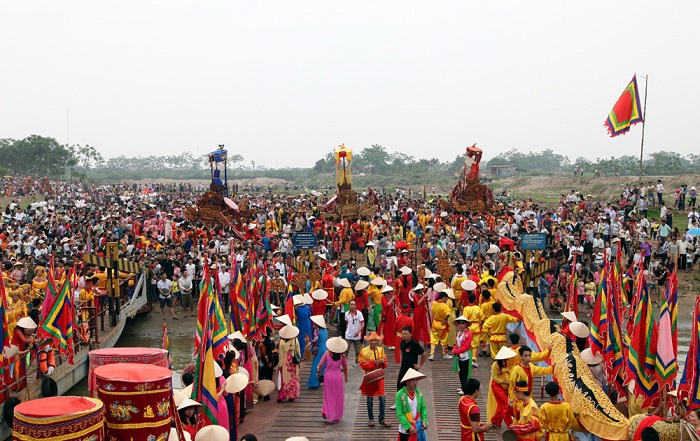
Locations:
282 83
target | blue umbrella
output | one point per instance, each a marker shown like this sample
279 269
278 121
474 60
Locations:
694 231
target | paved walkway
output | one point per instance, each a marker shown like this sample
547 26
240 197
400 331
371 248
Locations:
277 421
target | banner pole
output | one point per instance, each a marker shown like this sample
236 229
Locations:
644 120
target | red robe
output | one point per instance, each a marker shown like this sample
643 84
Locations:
402 321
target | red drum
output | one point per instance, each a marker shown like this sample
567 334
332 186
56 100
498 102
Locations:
101 357
59 418
137 400
374 376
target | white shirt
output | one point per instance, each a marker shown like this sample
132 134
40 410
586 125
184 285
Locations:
185 284
659 188
354 325
224 280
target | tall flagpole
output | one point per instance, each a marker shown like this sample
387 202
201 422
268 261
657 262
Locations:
644 120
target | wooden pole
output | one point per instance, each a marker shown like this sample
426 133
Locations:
644 120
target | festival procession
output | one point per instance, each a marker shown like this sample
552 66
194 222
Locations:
357 315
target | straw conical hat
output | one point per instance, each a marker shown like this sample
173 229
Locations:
387 289
298 299
570 316
10 351
26 323
579 329
405 270
337 345
289 331
505 353
187 391
264 388
361 284
590 359
217 370
308 299
469 285
244 371
297 438
411 374
319 320
187 402
238 335
363 271
427 273
418 287
345 283
450 293
319 294
179 396
284 319
378 281
212 433
461 318
173 435
440 286
235 383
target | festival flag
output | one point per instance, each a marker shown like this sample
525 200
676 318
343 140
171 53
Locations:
237 320
57 326
666 361
672 299
210 312
166 342
614 354
289 302
204 388
572 298
373 198
49 296
599 321
3 316
641 360
626 112
689 387
264 316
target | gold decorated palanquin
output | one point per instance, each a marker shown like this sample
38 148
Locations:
59 419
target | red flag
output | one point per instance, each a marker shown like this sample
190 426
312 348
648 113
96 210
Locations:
626 111
572 299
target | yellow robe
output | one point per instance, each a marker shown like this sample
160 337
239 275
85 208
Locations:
440 312
517 373
475 316
556 419
495 326
346 295
524 413
500 376
452 333
457 288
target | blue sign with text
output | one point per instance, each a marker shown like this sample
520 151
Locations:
304 241
533 241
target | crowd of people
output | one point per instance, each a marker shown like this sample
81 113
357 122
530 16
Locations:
413 278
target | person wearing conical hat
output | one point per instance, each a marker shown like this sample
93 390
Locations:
411 409
525 371
318 348
344 298
497 408
303 315
335 367
388 316
420 314
289 349
462 351
23 337
373 357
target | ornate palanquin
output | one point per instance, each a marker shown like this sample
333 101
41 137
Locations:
101 357
59 419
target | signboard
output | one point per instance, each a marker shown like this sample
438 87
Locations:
533 241
304 241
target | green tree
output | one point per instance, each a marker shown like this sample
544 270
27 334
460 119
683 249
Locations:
36 156
87 156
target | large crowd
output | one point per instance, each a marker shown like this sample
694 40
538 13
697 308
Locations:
413 278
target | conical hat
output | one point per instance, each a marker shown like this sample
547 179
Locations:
363 271
264 388
244 371
212 433
187 402
187 391
378 281
298 300
361 284
461 318
238 335
308 299
418 287
289 331
179 396
337 345
319 294
319 320
26 323
297 438
345 283
217 370
579 330
10 351
411 374
387 289
405 270
505 353
440 287
570 316
284 319
173 435
590 359
450 293
469 285
235 383
427 273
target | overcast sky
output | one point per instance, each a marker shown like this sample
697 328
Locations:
284 82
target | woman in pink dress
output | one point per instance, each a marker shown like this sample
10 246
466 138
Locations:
289 385
335 375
